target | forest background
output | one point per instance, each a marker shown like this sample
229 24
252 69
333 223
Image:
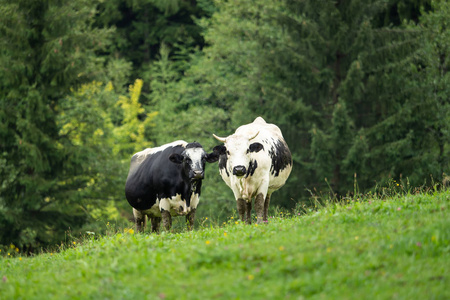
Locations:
359 88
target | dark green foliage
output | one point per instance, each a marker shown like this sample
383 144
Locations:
47 48
142 26
336 79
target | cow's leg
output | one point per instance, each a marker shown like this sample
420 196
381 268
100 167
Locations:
241 208
259 208
156 221
266 208
190 218
166 219
139 219
249 211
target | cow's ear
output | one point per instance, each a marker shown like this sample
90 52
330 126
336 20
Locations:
220 150
176 158
212 157
256 147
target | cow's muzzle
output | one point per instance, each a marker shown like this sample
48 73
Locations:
239 171
198 174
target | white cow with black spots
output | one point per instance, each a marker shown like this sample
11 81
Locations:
254 162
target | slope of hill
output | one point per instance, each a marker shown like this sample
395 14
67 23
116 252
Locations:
396 248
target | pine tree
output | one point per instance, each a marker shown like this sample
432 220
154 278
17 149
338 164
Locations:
143 26
331 74
47 48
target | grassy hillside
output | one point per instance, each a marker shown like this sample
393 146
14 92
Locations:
396 248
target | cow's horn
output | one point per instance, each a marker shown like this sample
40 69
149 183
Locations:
220 138
253 136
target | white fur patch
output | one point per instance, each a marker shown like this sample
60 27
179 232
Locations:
140 156
173 205
195 154
194 200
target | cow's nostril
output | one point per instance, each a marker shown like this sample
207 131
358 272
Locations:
198 174
239 170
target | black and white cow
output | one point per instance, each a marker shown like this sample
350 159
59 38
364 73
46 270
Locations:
166 181
254 162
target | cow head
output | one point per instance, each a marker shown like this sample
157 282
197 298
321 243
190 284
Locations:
238 149
193 160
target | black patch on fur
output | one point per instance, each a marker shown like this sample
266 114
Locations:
256 147
221 150
281 157
193 145
215 155
223 163
176 158
251 168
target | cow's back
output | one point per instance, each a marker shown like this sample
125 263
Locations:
266 130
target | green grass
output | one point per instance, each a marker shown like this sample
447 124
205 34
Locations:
396 248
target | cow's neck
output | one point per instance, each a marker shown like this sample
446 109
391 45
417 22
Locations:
193 186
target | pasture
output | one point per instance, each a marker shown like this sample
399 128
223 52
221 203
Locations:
365 248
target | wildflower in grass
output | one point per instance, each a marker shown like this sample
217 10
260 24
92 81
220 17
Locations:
225 233
256 225
231 218
207 242
399 208
236 222
250 277
433 238
281 248
17 249
128 230
74 243
51 254
419 244
329 250
12 246
206 218
20 258
356 238
9 253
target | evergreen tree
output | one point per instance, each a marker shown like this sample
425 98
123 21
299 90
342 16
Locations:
143 26
47 48
331 74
